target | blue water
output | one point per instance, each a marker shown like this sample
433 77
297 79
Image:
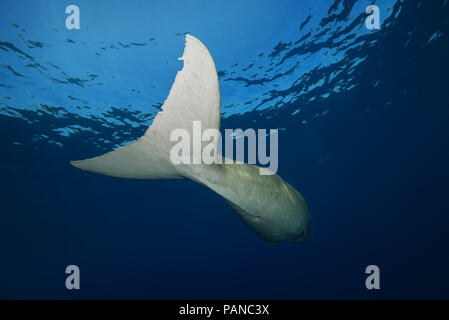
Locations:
363 118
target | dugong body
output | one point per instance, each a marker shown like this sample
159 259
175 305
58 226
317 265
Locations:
266 203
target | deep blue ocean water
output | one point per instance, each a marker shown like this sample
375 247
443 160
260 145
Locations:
363 117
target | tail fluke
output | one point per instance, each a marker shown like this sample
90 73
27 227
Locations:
194 96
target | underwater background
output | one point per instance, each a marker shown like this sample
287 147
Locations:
363 118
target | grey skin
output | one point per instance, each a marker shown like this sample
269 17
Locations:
266 203
272 208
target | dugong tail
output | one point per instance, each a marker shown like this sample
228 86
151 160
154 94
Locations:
266 203
194 96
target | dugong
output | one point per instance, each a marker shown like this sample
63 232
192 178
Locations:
272 208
